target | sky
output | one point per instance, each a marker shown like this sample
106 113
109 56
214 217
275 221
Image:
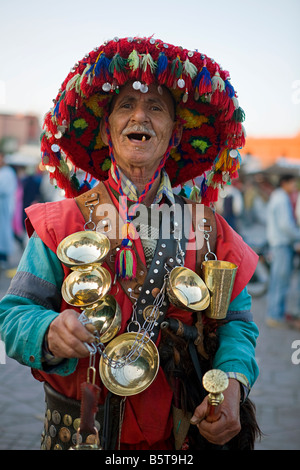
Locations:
257 41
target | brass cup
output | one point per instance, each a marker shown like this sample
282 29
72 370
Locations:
187 290
81 250
133 377
84 288
219 277
106 317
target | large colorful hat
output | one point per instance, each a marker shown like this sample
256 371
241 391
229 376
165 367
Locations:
207 106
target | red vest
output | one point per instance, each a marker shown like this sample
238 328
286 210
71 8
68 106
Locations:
147 418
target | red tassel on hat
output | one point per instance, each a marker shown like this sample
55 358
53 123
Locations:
210 195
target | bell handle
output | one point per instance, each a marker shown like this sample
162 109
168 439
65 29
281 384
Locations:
214 402
215 382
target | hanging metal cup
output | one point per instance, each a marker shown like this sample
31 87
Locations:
187 290
82 250
130 364
88 284
85 288
219 278
105 317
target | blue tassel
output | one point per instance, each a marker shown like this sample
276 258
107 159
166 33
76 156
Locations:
229 89
203 81
162 64
102 66
86 184
56 108
203 187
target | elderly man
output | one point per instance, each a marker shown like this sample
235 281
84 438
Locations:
138 115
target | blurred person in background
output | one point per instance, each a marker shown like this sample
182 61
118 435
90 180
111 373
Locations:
8 187
231 205
282 234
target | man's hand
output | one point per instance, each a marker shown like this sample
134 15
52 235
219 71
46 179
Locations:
66 336
227 424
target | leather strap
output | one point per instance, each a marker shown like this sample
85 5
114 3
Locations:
165 254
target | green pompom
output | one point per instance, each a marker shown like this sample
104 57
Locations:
239 115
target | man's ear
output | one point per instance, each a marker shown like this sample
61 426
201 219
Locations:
103 132
178 129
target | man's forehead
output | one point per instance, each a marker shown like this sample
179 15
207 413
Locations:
152 96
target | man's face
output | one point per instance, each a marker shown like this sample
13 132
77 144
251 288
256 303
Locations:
141 125
290 186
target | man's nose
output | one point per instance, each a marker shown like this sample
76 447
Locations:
140 114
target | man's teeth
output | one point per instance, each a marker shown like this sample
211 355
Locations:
141 137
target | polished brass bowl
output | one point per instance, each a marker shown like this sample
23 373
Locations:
187 290
106 317
134 377
84 288
83 249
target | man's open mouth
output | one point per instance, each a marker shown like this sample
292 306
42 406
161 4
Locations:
140 137
138 133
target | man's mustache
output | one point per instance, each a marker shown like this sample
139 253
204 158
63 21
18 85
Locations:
139 129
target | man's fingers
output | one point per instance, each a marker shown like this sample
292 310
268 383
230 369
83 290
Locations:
77 329
218 432
200 413
66 336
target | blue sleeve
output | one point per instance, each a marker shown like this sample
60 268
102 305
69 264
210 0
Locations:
237 342
30 305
